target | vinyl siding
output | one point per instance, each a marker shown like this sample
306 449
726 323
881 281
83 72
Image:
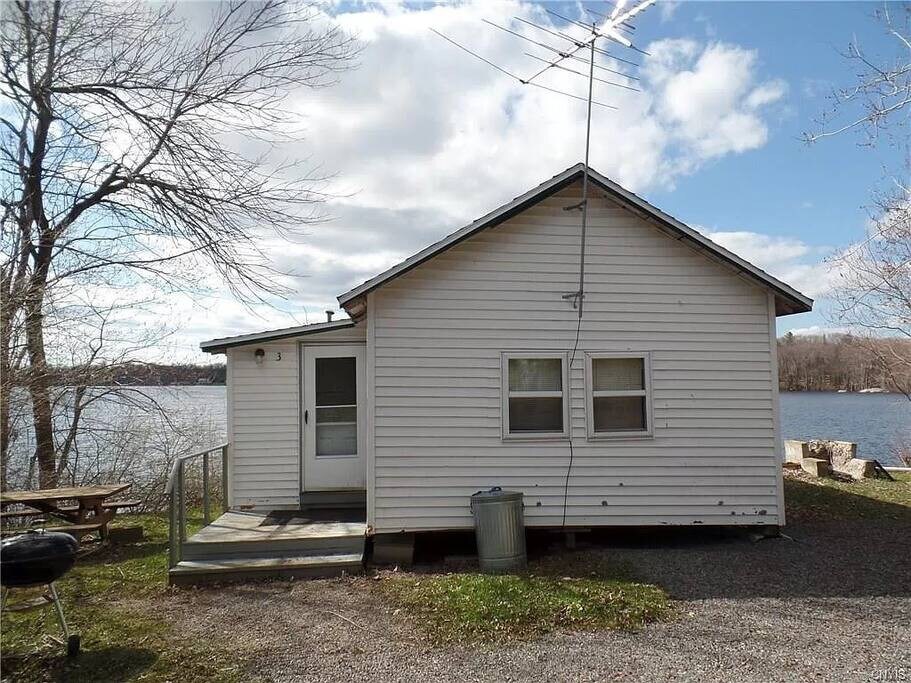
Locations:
437 332
264 419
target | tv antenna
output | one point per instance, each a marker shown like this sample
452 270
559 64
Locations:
608 27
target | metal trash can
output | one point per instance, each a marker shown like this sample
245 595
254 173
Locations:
499 529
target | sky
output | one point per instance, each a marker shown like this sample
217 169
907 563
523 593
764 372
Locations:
421 138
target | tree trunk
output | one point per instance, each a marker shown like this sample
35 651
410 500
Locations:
6 386
34 215
39 379
39 390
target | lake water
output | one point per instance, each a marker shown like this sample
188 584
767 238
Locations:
876 422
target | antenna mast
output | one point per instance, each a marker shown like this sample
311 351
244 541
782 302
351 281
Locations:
580 295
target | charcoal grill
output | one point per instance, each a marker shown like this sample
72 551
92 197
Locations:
38 558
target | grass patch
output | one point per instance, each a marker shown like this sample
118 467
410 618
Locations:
484 607
834 499
119 642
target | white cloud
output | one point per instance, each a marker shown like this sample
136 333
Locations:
708 96
424 137
767 93
667 9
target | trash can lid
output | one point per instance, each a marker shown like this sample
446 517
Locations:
495 494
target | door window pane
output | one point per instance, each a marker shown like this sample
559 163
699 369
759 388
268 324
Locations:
336 381
535 414
336 439
335 415
618 374
336 406
619 413
535 374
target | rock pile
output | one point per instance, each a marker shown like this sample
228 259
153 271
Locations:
820 457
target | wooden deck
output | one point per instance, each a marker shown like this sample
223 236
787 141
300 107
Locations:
241 545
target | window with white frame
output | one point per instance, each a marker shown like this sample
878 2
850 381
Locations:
534 395
618 395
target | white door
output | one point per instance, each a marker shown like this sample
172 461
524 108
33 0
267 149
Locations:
335 403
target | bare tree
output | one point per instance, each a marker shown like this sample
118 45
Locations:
874 288
873 292
880 99
120 172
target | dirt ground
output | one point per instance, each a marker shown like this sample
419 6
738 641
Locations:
832 601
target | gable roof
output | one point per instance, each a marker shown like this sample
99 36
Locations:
220 345
787 299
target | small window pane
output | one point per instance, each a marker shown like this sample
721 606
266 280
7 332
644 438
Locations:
336 381
535 374
619 414
618 374
535 415
336 439
336 415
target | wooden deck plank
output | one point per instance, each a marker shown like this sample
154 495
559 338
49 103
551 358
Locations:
242 527
242 545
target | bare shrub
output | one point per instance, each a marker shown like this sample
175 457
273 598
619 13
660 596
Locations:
133 445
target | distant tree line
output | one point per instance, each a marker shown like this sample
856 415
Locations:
139 374
834 362
153 374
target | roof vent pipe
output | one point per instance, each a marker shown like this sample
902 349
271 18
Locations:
329 315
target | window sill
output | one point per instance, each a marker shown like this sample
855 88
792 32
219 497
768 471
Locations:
621 436
535 437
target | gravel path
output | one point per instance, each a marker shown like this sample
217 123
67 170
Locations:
832 604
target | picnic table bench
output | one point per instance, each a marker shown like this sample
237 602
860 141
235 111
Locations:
92 511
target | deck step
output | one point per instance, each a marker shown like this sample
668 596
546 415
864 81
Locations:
299 547
193 572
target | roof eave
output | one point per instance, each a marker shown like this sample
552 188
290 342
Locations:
797 302
801 303
218 346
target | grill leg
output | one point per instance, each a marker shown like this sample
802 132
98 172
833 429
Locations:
3 599
60 617
72 640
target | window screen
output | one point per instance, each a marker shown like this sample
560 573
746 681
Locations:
618 374
619 396
535 396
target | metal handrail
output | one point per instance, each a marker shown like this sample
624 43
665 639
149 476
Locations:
177 504
172 475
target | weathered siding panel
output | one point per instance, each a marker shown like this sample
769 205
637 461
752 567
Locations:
436 337
264 419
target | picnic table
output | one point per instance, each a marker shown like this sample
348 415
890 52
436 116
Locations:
92 511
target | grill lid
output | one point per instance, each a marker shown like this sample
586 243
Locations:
37 546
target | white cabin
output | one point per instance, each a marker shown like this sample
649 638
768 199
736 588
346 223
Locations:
459 370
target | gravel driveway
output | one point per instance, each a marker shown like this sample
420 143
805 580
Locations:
834 603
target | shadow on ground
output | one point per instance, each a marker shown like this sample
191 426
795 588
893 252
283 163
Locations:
123 663
108 554
836 544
